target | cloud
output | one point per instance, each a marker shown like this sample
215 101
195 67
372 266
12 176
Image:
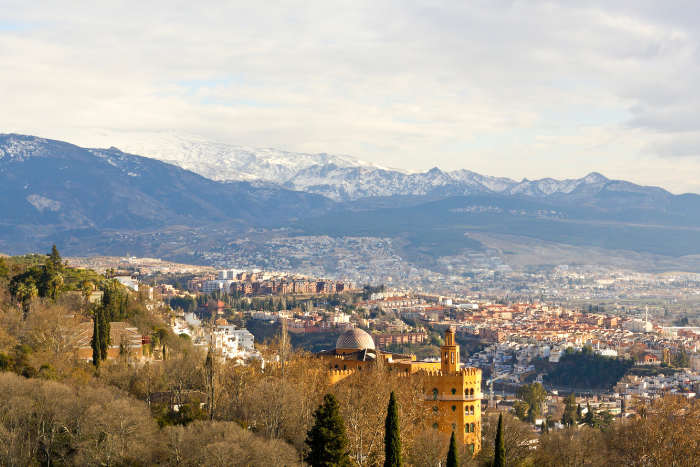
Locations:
512 88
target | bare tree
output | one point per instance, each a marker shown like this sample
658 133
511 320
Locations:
519 439
662 434
572 447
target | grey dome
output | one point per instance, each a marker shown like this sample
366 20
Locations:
354 339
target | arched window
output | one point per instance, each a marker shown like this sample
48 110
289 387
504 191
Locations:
454 426
472 427
454 391
466 428
471 448
345 367
435 394
471 392
435 426
435 409
454 407
336 367
471 410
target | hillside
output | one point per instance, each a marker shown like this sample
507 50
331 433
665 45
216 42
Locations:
441 227
345 178
49 187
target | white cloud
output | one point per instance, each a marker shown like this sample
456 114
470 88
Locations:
512 88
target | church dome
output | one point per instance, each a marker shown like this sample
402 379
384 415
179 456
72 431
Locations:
354 339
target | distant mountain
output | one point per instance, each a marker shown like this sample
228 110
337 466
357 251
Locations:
211 159
48 186
345 178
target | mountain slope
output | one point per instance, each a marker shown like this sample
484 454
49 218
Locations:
344 178
443 227
212 159
48 186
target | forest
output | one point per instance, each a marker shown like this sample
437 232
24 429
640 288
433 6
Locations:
587 370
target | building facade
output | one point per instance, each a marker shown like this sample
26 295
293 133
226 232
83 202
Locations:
453 393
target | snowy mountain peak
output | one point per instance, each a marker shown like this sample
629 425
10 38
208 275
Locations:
209 158
339 177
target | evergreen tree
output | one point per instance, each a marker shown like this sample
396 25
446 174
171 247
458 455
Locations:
681 360
326 438
103 332
452 458
55 258
46 279
392 435
579 414
4 271
569 416
588 419
499 459
95 343
545 427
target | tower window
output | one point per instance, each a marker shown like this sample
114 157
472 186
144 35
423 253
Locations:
471 448
435 394
454 407
454 426
454 391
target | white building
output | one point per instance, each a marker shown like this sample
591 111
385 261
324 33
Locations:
220 285
244 339
128 281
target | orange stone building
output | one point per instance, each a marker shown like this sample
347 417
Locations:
120 334
454 393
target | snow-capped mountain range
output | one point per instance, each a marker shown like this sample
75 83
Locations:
341 178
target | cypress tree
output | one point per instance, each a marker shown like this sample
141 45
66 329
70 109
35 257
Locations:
95 343
452 459
108 302
103 331
392 435
326 438
499 459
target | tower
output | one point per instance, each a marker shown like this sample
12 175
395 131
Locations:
450 353
455 396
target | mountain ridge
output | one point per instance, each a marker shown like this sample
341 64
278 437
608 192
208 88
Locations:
345 178
50 186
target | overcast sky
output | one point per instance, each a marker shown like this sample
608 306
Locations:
509 88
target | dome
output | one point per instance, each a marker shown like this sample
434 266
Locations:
354 339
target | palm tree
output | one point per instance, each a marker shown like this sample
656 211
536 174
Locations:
86 291
24 293
57 282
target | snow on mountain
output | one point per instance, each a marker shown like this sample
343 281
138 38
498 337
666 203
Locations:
341 178
211 159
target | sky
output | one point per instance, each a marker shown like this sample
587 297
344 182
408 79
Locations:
522 89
